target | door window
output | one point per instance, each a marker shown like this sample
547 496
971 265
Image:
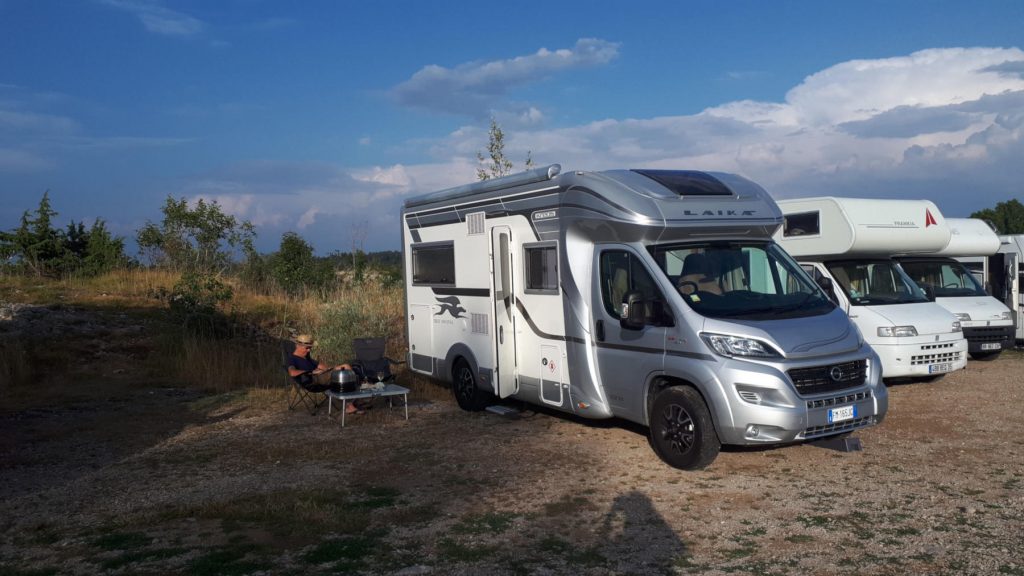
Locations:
622 272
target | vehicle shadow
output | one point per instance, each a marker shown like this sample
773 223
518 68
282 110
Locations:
636 537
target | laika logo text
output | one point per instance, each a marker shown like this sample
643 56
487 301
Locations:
452 306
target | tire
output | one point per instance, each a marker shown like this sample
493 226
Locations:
985 356
470 397
681 431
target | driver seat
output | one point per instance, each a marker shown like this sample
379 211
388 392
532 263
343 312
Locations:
696 269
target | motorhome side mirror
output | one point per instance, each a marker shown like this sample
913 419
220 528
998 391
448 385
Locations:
929 293
825 283
632 317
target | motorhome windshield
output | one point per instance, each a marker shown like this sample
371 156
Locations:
875 282
754 280
945 278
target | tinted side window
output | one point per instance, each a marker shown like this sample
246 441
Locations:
802 224
433 264
542 268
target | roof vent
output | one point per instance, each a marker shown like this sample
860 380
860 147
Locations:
688 182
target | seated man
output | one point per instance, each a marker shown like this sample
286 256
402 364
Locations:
310 373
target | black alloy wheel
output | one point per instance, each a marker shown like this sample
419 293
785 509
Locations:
681 430
467 394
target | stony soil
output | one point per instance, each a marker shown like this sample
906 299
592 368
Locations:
137 477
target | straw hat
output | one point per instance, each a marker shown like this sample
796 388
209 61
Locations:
305 340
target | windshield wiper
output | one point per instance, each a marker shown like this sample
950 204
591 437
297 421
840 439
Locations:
798 305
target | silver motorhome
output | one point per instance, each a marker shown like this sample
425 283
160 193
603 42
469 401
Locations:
656 296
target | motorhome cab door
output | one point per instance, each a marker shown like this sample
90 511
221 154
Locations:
503 302
626 358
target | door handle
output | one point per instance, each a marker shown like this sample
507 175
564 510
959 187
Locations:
501 334
600 330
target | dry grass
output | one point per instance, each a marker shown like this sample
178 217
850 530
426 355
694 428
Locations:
250 355
219 365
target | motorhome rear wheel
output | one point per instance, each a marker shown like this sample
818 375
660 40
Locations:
469 396
682 433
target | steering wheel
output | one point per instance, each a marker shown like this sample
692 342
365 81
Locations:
952 285
685 283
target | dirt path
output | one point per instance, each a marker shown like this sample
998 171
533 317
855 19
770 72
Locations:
140 479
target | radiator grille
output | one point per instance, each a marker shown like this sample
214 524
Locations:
933 358
819 379
479 322
475 222
988 334
938 346
837 427
837 400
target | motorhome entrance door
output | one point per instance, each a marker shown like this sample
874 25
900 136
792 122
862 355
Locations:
503 297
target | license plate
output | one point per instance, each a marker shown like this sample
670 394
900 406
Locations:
840 414
992 346
939 368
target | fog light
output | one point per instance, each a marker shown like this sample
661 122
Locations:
753 431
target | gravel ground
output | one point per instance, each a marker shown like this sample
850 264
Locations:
141 479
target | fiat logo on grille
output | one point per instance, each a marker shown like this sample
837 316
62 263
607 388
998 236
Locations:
836 373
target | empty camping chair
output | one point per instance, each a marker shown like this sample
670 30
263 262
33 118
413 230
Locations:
303 390
371 364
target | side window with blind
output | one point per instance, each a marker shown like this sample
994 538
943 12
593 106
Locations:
541 268
433 264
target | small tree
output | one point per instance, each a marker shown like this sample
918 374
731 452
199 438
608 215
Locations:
1008 217
294 266
36 246
103 251
198 238
495 164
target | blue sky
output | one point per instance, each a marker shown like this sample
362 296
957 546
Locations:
321 117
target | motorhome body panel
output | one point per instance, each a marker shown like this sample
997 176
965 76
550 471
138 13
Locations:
859 226
969 237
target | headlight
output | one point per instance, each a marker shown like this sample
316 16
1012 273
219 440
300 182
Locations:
1005 315
896 331
962 317
736 346
956 326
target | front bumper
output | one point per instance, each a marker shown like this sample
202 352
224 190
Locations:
984 338
765 408
922 356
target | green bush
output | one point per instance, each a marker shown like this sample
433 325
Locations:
346 320
295 268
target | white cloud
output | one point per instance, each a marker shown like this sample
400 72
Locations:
474 88
947 125
943 123
158 19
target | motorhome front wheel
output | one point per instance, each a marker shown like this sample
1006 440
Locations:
681 431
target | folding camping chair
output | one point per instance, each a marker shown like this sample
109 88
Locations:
371 364
310 395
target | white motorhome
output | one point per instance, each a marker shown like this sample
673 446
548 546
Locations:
656 296
849 241
1011 277
987 323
